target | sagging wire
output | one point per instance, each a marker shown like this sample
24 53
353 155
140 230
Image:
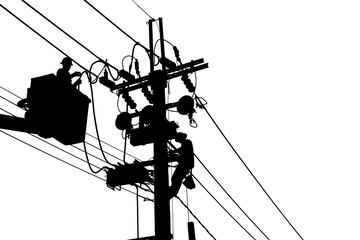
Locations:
90 164
175 49
207 230
68 35
201 105
71 145
88 161
33 135
94 113
226 209
41 36
26 143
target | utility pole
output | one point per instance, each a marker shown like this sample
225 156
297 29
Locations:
154 128
162 196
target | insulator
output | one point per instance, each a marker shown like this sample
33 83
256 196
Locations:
104 80
129 100
149 96
137 67
177 55
168 63
188 83
126 75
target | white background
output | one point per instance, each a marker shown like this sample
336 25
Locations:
282 84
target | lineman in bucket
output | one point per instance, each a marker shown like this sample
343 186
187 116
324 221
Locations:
63 73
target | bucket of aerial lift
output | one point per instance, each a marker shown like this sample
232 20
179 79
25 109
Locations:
57 109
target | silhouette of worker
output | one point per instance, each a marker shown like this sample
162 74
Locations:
63 73
185 162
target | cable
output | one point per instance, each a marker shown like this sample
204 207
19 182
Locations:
87 49
98 11
104 152
96 126
49 154
10 92
142 10
53 45
145 198
86 133
223 208
50 143
113 147
195 217
88 161
226 194
229 196
251 173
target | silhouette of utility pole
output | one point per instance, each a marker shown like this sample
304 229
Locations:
158 130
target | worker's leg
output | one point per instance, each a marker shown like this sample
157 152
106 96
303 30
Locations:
176 180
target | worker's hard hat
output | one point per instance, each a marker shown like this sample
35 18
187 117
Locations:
66 60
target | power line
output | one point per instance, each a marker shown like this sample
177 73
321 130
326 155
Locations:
51 155
223 208
98 11
59 28
226 192
227 195
145 198
192 214
71 145
142 9
112 146
36 32
50 143
251 173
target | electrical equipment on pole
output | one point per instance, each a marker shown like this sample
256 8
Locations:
154 128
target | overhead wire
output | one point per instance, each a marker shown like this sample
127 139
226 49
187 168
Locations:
228 196
67 34
33 135
231 198
86 134
86 154
121 30
224 208
53 45
95 121
60 49
89 72
37 33
26 143
112 146
89 164
142 9
145 198
197 219
227 193
202 106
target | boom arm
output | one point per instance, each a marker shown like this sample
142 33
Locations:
15 124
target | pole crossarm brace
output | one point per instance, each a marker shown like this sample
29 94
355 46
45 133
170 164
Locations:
180 70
